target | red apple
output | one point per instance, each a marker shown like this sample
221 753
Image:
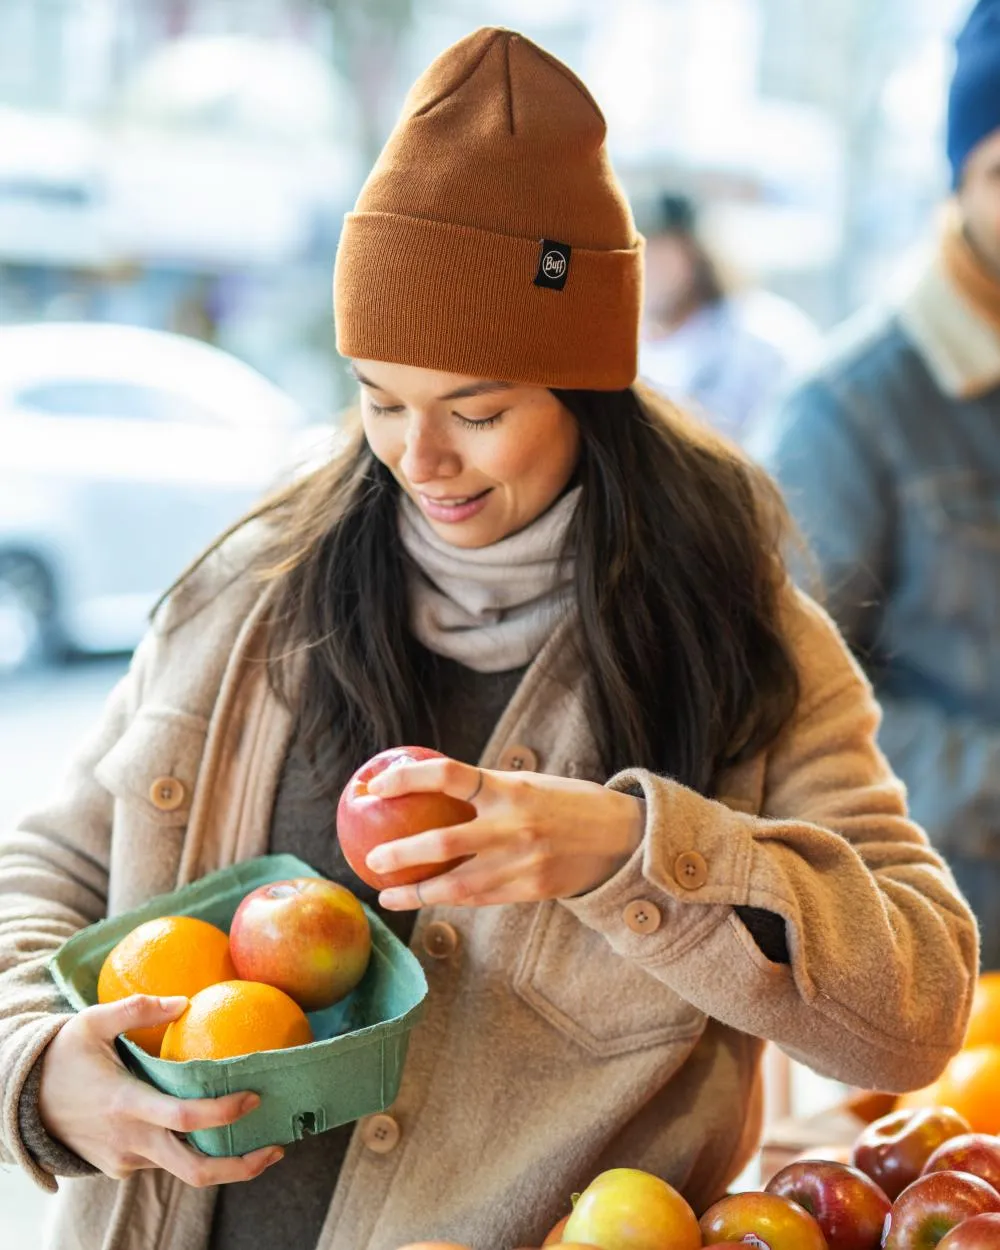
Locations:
933 1204
308 936
847 1205
894 1149
626 1209
978 1153
978 1232
365 821
767 1221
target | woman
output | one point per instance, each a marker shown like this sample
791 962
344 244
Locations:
686 839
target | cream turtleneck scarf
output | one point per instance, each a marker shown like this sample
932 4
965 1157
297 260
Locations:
490 608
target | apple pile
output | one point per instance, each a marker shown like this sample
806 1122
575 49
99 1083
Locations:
916 1180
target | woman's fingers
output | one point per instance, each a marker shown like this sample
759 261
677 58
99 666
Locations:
163 1150
185 1115
446 776
436 846
499 877
138 1011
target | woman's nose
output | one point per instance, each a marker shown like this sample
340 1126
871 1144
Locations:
427 455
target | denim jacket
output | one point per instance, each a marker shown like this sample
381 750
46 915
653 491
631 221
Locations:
889 457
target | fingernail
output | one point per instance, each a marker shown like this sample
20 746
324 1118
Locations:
274 1157
377 784
376 861
173 1002
389 898
250 1103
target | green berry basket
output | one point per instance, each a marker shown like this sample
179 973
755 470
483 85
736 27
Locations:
352 1069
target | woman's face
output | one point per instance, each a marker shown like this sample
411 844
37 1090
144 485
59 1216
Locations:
481 459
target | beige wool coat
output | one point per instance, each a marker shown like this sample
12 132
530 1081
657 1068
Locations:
623 1027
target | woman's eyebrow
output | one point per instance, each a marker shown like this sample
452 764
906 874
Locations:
463 392
478 388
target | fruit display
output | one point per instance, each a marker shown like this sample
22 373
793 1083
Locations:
894 1149
626 1209
365 820
950 1201
762 1219
933 1205
294 946
848 1206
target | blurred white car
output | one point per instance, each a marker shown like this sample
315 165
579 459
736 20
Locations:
123 452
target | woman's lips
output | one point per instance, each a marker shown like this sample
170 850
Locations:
450 513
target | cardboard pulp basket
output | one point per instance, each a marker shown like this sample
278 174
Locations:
352 1069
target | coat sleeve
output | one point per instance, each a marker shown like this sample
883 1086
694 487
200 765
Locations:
53 882
882 947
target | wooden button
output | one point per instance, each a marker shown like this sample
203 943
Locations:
690 870
380 1133
440 939
641 916
167 794
517 759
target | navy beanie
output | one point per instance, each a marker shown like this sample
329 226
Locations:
974 98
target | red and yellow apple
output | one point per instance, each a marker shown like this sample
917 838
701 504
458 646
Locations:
847 1205
762 1219
894 1149
932 1205
977 1153
307 936
627 1209
365 820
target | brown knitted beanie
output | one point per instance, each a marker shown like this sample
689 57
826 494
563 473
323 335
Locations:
492 237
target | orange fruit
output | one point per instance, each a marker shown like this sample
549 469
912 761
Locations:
971 1085
984 1019
168 955
236 1018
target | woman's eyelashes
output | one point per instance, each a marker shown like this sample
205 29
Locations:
483 423
470 423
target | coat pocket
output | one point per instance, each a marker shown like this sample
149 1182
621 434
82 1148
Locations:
606 1003
153 767
151 771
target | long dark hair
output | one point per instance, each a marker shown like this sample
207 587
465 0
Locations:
678 583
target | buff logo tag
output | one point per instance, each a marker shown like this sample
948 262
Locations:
553 265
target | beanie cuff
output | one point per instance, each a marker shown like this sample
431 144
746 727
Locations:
461 300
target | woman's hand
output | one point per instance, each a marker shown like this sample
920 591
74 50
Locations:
534 836
92 1104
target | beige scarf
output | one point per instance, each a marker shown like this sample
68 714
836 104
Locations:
976 283
490 608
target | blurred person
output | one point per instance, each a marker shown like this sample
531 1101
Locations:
685 839
889 455
704 342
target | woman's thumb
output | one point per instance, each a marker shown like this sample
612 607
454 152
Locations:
138 1011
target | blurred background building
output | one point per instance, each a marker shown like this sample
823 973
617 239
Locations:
182 166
